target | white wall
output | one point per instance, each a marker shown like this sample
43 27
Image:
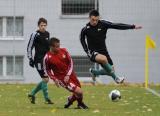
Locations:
126 47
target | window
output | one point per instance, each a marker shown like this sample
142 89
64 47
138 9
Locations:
9 66
1 66
78 7
18 26
1 26
18 66
8 69
82 65
9 30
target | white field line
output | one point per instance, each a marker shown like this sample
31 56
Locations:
153 91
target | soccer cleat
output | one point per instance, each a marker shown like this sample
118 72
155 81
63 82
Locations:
82 106
93 75
68 104
119 80
48 101
31 98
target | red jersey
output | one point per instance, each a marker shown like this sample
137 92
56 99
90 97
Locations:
58 65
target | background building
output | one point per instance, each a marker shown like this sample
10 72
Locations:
18 19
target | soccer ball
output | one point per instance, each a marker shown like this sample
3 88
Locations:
115 95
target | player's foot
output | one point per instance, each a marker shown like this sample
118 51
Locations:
93 76
119 80
68 104
82 106
48 101
31 98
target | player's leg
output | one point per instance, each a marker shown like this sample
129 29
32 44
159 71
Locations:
102 59
35 90
118 79
41 85
75 87
71 86
45 90
98 72
79 95
31 96
70 100
45 80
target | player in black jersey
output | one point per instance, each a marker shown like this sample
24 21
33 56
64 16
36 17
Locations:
40 41
93 37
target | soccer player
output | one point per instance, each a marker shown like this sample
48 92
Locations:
58 65
40 41
93 37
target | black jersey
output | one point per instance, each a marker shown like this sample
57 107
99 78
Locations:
39 41
93 37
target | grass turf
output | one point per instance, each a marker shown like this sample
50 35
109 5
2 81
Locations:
155 88
136 101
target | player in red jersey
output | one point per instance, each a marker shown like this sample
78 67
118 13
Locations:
58 65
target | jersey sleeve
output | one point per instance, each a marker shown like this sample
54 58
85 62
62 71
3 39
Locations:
31 45
119 26
48 36
48 71
83 39
70 66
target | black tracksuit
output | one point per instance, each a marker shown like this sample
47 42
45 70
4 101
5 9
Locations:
39 41
93 37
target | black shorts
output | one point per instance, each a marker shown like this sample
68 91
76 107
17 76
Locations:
105 53
39 67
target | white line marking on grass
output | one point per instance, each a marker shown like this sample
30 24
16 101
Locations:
152 91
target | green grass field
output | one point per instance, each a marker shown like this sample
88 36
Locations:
155 88
136 101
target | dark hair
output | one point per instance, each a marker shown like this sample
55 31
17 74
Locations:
53 40
42 20
93 13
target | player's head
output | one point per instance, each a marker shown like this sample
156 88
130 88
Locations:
94 17
54 44
42 24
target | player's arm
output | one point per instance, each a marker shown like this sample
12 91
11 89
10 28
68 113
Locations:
48 71
119 26
83 41
70 67
48 37
30 48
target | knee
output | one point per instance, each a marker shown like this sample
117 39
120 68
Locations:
79 91
103 60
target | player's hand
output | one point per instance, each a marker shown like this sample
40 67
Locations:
31 63
138 27
57 83
66 79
